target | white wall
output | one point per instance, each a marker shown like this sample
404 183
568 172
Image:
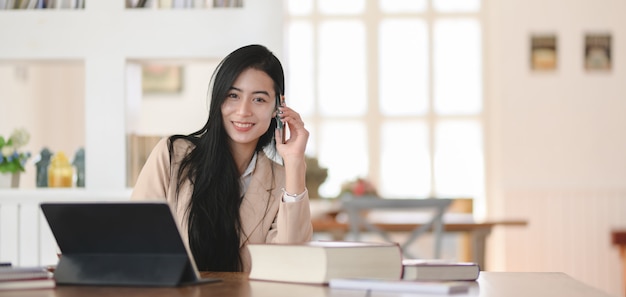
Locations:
182 113
557 146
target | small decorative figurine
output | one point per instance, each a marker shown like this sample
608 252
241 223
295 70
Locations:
79 163
60 172
42 167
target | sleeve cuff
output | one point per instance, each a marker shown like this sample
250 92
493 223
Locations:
287 197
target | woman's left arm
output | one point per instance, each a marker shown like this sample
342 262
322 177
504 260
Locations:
294 215
292 151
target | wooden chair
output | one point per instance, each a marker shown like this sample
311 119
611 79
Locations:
358 208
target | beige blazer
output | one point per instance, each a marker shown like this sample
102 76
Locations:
278 222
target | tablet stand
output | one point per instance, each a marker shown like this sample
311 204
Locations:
124 270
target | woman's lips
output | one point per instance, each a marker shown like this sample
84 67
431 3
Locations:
243 126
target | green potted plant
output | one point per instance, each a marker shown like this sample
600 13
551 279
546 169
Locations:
315 176
13 157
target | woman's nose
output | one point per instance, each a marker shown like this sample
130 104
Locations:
244 107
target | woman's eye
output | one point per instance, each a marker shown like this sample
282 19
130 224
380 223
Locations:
259 99
232 96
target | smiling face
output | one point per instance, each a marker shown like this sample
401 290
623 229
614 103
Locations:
249 108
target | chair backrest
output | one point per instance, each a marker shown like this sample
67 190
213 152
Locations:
358 209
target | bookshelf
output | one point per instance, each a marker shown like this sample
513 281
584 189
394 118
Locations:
105 37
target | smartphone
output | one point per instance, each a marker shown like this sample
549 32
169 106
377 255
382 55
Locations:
279 124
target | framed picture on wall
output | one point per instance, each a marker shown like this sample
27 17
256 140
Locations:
159 79
543 52
598 52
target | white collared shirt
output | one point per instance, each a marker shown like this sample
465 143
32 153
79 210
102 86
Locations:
246 177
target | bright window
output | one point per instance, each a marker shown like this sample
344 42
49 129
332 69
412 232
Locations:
392 91
342 78
403 67
457 90
402 6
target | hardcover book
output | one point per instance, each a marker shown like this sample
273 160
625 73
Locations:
438 270
317 262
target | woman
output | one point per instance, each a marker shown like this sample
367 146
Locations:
224 190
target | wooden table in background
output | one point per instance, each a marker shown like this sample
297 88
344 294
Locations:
619 239
478 232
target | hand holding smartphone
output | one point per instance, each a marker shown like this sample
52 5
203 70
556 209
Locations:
279 123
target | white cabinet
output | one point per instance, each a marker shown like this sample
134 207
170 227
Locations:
104 37
100 42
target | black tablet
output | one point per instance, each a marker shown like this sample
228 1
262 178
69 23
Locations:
119 243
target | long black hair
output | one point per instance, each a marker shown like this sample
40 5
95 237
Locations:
214 224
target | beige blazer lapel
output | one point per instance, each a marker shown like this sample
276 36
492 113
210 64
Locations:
261 201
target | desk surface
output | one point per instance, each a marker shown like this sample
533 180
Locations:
489 284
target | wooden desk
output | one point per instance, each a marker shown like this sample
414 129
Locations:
619 239
489 284
478 232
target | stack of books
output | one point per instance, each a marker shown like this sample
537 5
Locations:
420 276
439 270
23 278
359 266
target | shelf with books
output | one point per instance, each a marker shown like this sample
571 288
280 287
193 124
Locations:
41 4
183 4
